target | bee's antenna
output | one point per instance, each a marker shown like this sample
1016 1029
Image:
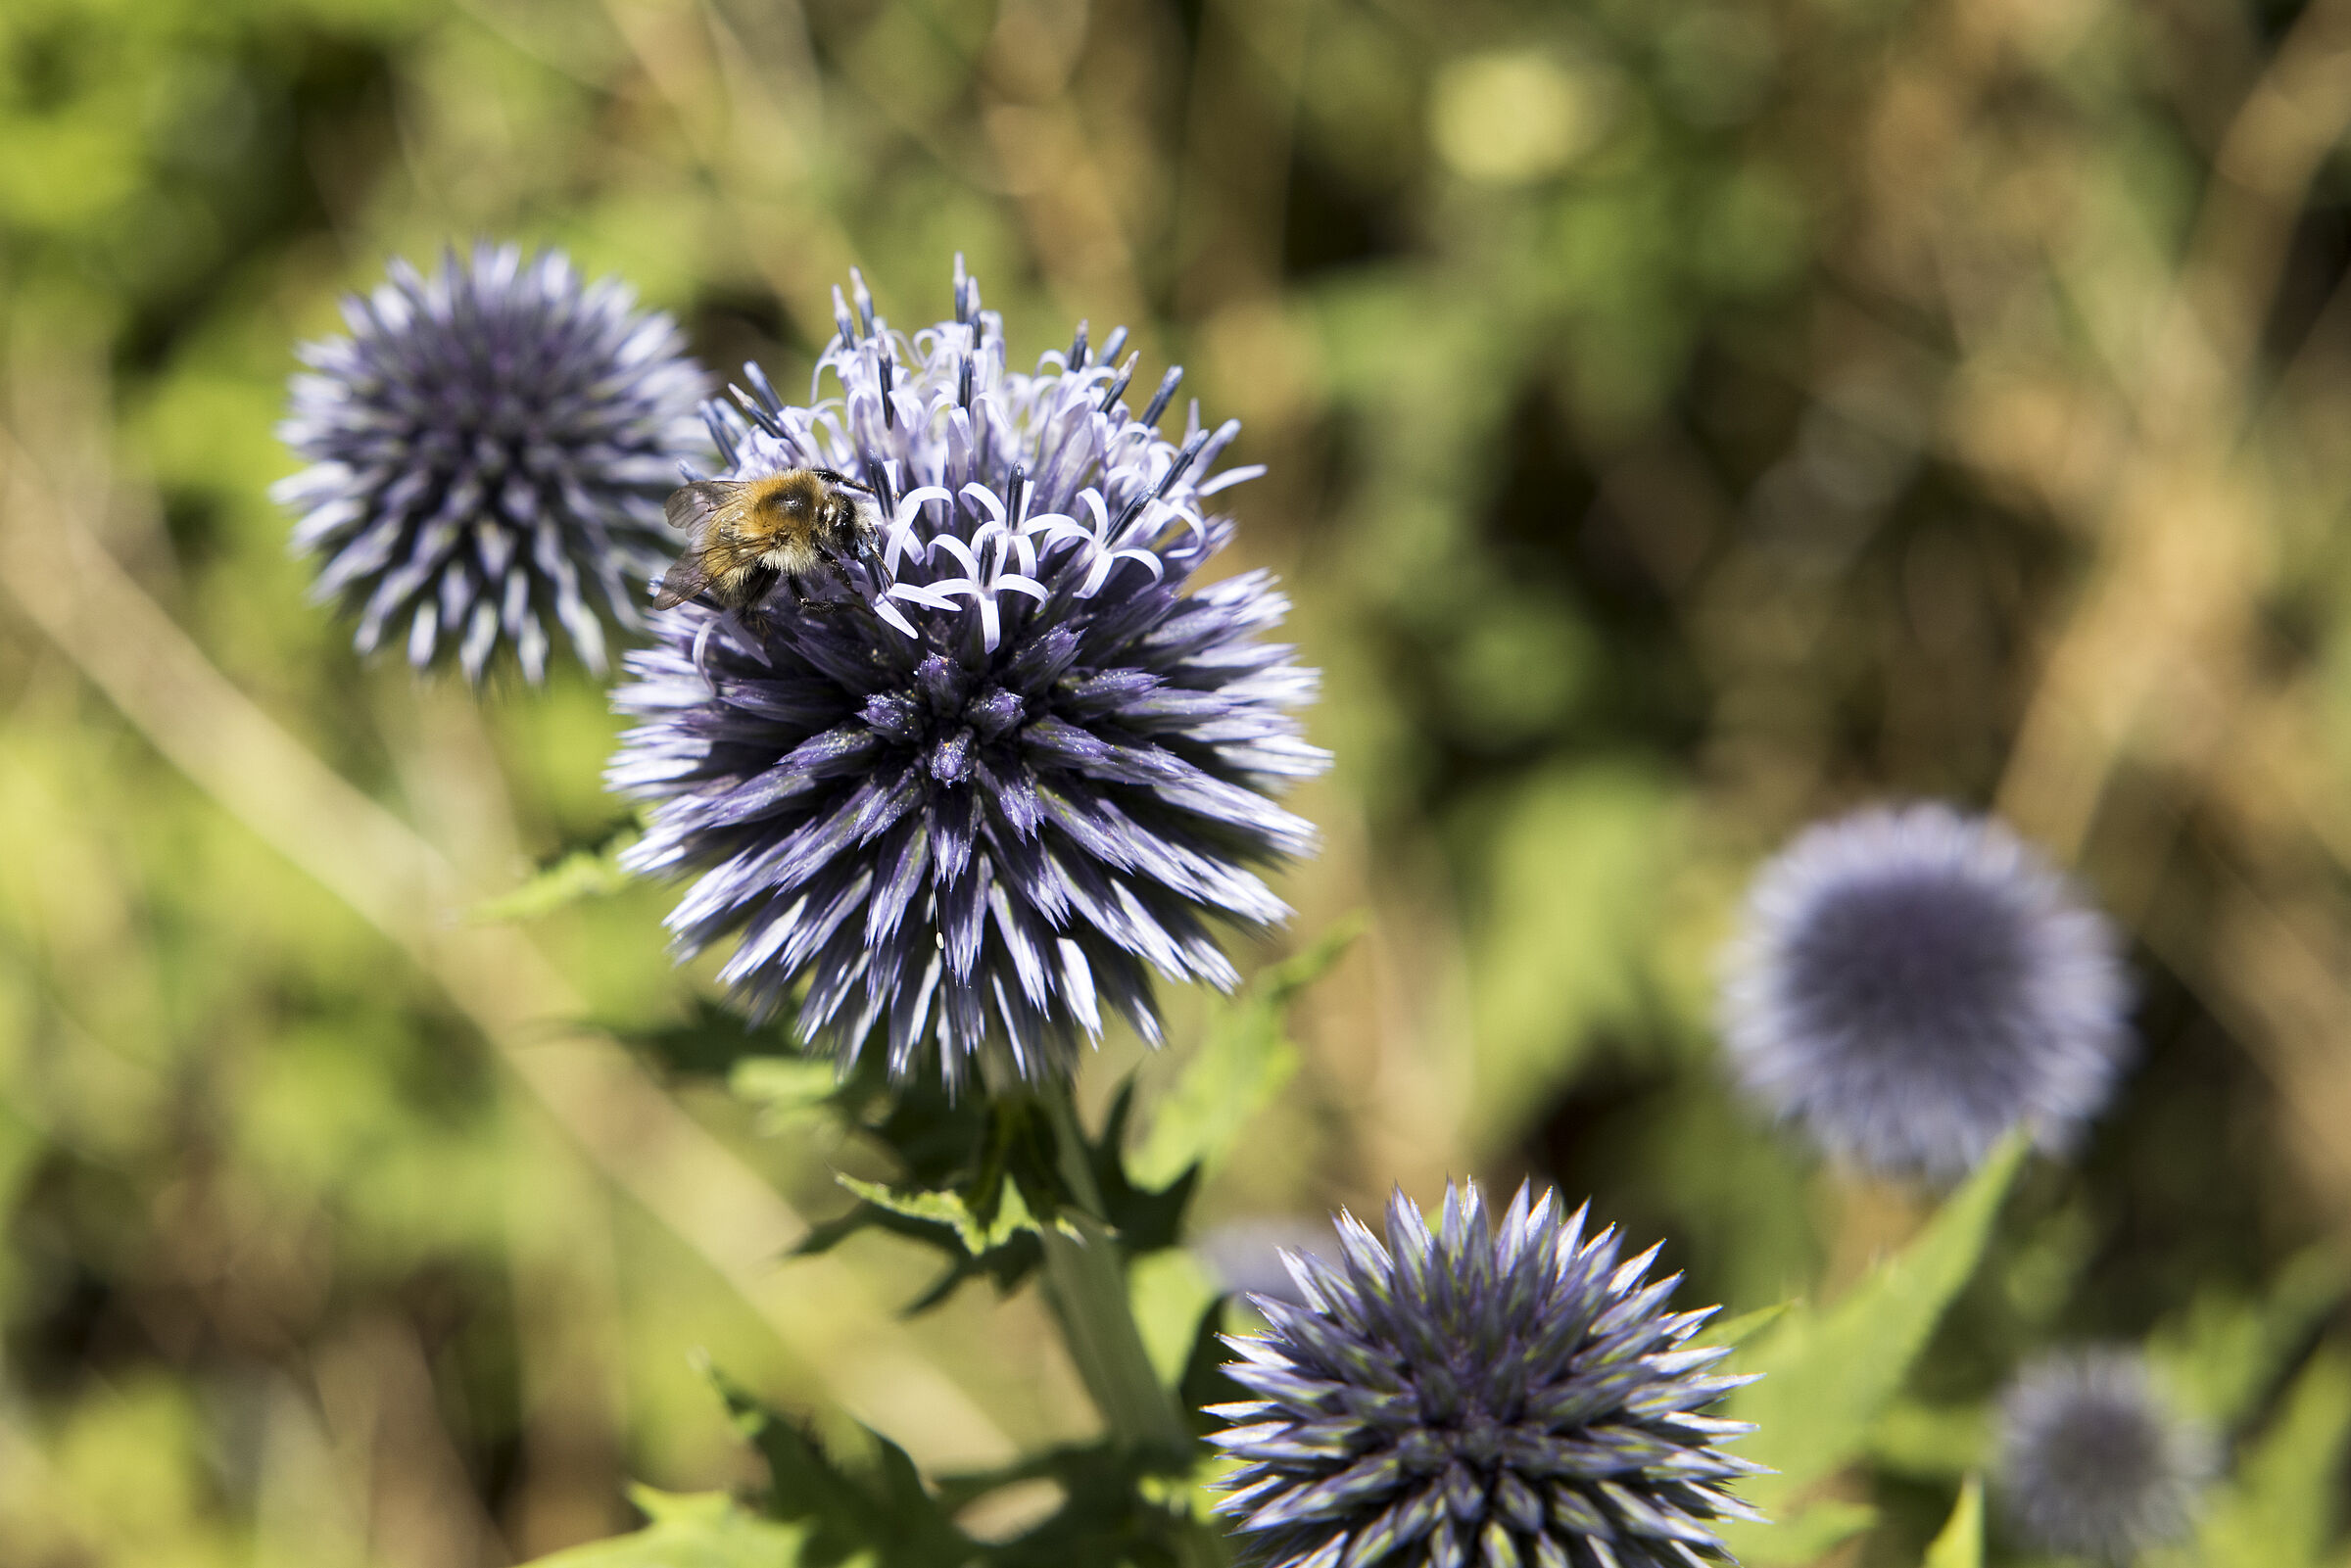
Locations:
1167 390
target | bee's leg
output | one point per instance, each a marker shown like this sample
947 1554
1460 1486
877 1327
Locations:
810 605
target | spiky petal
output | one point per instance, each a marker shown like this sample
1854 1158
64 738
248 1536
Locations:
1910 984
489 450
988 782
1511 1392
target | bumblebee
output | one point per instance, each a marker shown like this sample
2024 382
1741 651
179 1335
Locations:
746 535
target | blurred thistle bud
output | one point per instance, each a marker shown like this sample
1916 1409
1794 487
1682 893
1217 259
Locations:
488 448
1910 984
1006 765
2092 1460
1488 1394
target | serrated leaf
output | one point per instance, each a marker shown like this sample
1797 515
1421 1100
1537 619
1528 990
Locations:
1827 1375
689 1530
591 872
1121 1506
875 1508
1243 1060
979 1235
1960 1541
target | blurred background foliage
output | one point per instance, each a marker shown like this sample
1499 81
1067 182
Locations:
1687 417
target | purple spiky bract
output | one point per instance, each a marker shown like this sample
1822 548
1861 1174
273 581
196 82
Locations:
1911 982
2093 1459
488 454
984 784
1479 1394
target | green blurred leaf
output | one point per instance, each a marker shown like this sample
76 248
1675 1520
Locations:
591 872
691 1530
1940 1441
1242 1063
1813 1533
1747 1325
2224 1353
1827 1375
1960 1541
2281 1510
783 1089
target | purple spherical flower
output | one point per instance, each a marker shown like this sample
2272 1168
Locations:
1491 1394
2094 1461
987 779
488 450
1910 984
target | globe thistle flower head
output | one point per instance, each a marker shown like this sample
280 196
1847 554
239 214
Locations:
2092 1460
984 780
1909 983
1480 1393
488 452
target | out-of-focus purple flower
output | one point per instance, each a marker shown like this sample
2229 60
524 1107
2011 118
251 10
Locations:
2094 1461
1002 771
1910 984
1506 1393
488 452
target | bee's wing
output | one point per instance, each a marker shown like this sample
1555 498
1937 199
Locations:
690 508
685 577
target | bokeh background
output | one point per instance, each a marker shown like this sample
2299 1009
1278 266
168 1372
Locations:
1687 418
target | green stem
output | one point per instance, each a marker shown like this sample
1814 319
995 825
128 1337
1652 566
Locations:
1085 1280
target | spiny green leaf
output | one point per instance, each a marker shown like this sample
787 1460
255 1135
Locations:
1960 1541
1827 1375
979 1235
1242 1063
689 1530
847 1508
591 872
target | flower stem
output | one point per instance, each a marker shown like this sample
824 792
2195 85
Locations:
1085 1280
